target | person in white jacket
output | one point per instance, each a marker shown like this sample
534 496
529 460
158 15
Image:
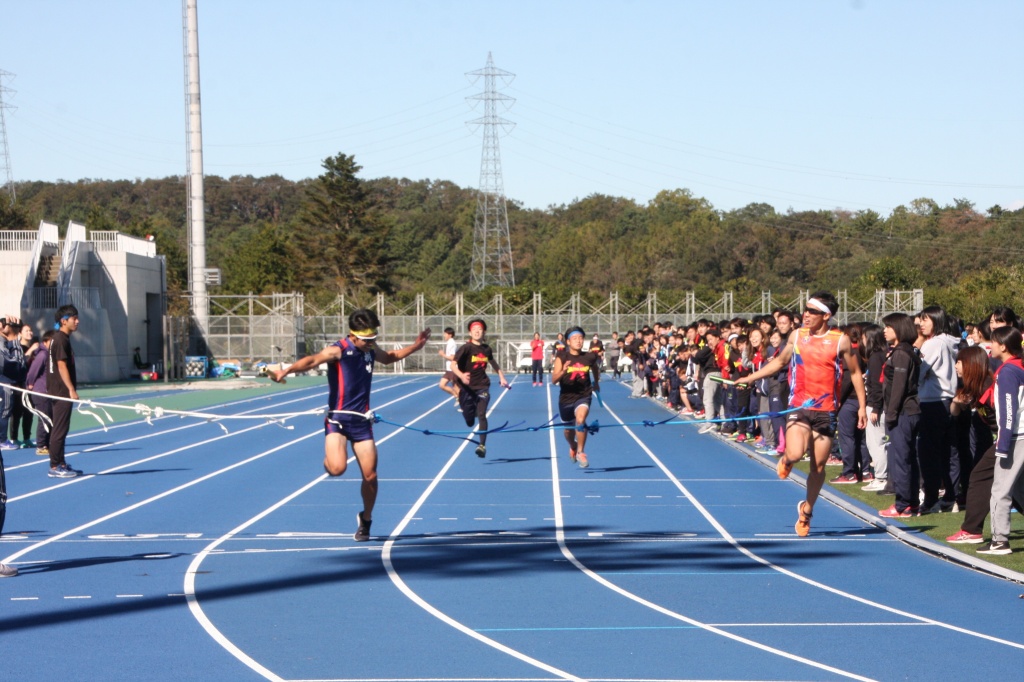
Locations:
940 463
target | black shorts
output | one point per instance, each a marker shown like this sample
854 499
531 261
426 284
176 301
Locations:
473 403
567 411
820 422
355 430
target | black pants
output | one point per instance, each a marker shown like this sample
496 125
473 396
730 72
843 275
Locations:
538 371
20 417
853 445
59 431
940 464
474 409
904 474
980 492
3 494
44 406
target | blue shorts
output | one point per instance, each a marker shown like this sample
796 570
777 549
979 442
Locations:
568 411
355 430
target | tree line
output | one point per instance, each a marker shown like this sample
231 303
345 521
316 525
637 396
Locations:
340 233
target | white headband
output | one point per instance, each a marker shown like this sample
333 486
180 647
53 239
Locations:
818 305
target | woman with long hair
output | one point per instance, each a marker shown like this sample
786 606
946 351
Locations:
902 414
940 464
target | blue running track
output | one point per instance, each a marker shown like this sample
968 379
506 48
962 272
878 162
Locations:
185 552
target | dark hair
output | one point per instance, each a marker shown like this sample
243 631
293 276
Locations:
65 311
449 330
476 320
872 340
363 318
1011 338
975 369
1006 315
786 314
48 334
570 330
940 321
713 331
903 325
985 329
854 330
828 299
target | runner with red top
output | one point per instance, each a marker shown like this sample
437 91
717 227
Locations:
572 373
814 353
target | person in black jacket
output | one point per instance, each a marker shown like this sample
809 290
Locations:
902 414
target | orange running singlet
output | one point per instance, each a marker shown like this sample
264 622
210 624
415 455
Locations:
815 370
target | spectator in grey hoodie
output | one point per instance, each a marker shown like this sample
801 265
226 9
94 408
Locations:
937 451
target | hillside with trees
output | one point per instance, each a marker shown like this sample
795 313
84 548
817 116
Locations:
340 233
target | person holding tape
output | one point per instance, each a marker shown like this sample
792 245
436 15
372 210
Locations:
349 373
814 353
572 374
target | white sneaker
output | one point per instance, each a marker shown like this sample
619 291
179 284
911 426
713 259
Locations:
875 485
707 429
7 571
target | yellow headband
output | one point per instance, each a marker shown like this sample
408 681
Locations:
365 334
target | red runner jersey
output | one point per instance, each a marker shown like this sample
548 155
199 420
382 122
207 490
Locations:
815 370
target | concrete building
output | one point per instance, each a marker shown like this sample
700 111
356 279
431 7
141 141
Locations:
117 282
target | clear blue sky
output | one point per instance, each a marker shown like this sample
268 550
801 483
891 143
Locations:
814 104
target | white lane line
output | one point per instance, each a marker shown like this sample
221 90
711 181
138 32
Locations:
796 576
128 596
24 598
78 596
567 553
160 496
42 461
423 604
190 581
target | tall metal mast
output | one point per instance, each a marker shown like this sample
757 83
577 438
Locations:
492 248
196 202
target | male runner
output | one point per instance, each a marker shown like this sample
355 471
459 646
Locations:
447 383
349 373
572 375
813 353
470 369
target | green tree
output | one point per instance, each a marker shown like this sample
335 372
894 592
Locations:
344 240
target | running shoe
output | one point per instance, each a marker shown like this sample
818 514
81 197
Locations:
10 445
581 459
362 533
867 476
894 513
686 412
844 479
833 461
708 428
948 506
996 547
698 415
78 472
783 467
875 485
931 508
572 454
741 438
61 471
28 444
44 451
803 520
7 571
481 451
962 537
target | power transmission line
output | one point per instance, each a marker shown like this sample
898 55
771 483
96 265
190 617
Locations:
492 247
6 174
